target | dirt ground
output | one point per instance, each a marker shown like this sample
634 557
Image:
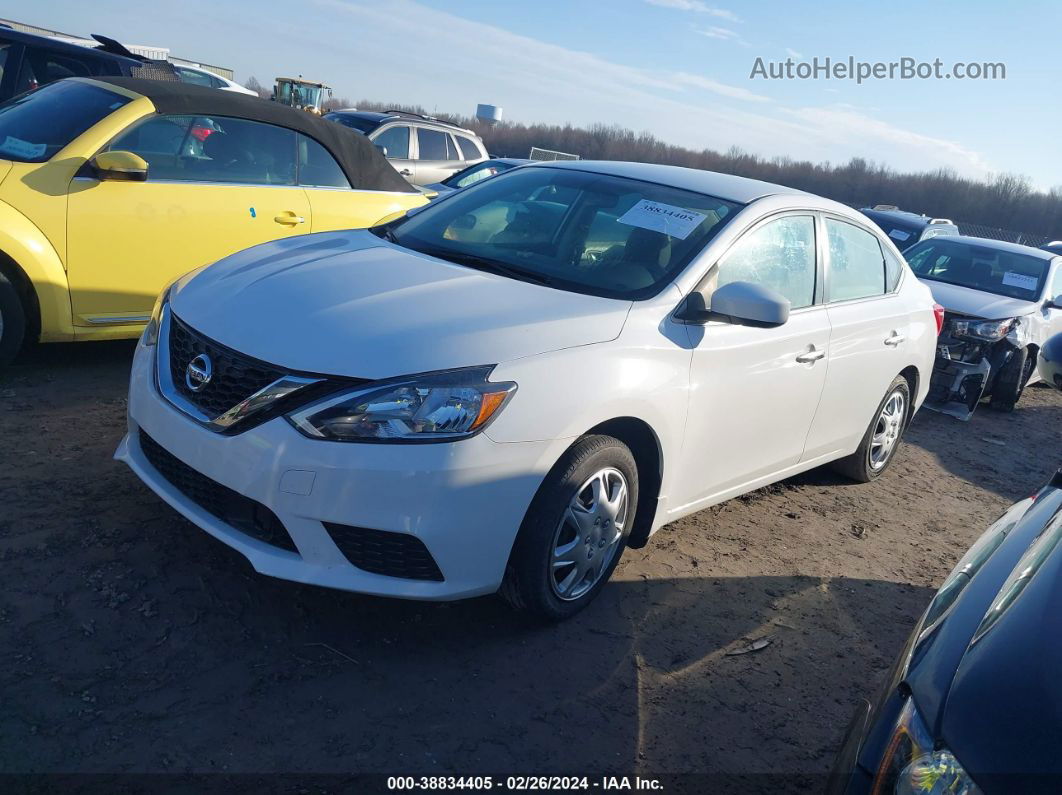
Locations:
132 642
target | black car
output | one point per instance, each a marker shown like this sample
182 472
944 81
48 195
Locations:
974 703
1055 247
904 228
28 61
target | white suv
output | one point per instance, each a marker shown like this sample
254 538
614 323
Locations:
504 389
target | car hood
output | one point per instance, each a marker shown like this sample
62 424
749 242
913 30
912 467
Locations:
977 303
348 303
995 698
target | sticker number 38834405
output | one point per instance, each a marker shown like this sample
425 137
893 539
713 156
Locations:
665 218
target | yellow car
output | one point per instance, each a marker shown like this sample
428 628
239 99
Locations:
110 188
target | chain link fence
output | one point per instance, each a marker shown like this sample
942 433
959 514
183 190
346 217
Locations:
995 233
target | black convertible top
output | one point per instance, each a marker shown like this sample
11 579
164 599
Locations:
364 164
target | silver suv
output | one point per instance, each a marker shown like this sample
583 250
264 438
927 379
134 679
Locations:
423 149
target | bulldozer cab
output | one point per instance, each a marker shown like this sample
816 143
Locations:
296 92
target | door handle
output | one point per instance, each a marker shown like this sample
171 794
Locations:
895 339
811 356
289 218
405 172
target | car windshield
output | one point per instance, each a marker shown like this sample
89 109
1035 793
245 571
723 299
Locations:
575 230
34 126
979 267
364 126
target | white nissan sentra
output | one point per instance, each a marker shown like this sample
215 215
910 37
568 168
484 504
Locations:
504 389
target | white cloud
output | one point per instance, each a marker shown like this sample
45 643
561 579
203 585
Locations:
843 128
716 87
724 34
536 81
697 6
793 53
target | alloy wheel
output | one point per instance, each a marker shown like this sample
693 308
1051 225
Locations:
887 429
589 533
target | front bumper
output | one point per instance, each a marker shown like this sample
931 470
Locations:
465 500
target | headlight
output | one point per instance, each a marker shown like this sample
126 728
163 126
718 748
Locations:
911 765
151 332
441 406
991 330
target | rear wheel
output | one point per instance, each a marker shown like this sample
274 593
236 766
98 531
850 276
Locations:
575 530
12 321
1010 384
879 444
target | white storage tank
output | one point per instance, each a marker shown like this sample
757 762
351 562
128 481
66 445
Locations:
488 114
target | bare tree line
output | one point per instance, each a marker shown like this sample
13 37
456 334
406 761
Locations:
1006 201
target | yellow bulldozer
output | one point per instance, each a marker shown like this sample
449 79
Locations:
295 92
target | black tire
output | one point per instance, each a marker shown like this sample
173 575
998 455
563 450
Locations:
1010 384
858 465
12 321
529 577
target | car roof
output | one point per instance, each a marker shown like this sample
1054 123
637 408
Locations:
722 186
364 165
904 216
999 245
10 34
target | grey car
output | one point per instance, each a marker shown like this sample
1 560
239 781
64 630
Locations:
423 149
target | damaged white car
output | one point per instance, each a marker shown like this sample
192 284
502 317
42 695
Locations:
1002 301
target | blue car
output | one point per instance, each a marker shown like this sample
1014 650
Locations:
974 702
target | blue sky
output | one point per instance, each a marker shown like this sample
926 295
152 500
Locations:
677 68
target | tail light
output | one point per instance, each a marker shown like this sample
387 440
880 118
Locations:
938 315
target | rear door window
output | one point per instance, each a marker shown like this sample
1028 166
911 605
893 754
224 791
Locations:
432 144
857 265
451 149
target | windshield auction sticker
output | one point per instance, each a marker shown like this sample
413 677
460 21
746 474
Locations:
665 218
1020 280
19 148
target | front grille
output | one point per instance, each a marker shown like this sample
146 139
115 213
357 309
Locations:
381 552
235 377
231 507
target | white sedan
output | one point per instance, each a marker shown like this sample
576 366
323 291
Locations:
505 388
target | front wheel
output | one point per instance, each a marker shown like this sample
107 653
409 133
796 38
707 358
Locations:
575 530
12 321
879 443
1010 384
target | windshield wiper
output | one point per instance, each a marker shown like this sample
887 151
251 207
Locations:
386 232
488 265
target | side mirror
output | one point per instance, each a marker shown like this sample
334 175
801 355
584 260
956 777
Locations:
120 165
740 303
382 148
1054 303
